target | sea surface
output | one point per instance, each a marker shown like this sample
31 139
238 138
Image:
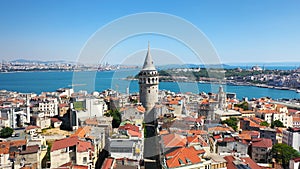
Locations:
38 82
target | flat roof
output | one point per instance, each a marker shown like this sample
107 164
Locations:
122 143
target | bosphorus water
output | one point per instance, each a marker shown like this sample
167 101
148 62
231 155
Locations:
38 82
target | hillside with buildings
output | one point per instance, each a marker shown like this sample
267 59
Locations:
149 129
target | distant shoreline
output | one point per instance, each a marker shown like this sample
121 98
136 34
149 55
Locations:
171 79
224 83
23 71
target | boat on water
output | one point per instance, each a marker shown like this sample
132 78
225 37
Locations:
73 85
284 88
298 90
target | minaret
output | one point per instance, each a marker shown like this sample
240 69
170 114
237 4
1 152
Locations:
148 82
222 98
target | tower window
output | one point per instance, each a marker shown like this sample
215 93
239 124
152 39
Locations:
148 80
148 91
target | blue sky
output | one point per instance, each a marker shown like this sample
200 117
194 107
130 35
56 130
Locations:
241 31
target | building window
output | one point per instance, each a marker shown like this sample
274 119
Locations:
188 161
148 91
84 160
180 162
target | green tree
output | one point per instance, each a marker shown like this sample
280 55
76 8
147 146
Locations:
232 122
264 123
6 132
116 115
243 105
277 123
48 150
282 153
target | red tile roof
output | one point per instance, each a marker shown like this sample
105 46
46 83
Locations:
30 150
183 156
191 119
80 167
17 143
174 140
173 102
171 108
252 123
4 147
217 136
84 146
245 161
107 164
140 109
296 119
297 159
63 105
228 139
69 164
192 139
129 127
250 163
91 122
247 111
262 142
245 136
64 143
220 129
230 160
267 111
251 133
31 127
163 132
82 131
280 130
293 111
197 132
134 133
197 139
257 120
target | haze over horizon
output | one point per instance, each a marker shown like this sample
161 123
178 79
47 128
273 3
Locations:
241 31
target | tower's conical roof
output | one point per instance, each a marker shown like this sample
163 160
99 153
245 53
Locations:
148 63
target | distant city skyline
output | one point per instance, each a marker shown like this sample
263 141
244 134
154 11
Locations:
241 31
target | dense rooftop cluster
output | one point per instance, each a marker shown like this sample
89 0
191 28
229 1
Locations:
69 129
